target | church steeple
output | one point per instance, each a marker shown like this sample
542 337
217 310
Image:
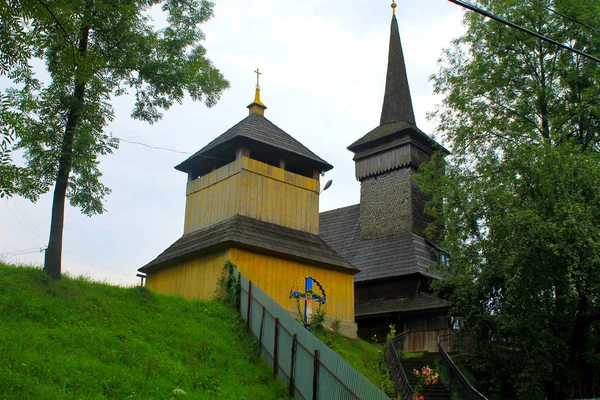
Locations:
397 105
387 157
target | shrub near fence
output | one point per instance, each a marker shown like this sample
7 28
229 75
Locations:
309 368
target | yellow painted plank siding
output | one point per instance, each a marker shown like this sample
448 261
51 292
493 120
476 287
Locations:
276 277
192 279
253 189
212 204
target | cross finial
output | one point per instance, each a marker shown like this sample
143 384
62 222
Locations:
258 73
393 7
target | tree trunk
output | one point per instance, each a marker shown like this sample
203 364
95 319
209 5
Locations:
53 256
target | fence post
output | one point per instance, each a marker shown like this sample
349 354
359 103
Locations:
249 302
276 349
260 335
294 345
315 375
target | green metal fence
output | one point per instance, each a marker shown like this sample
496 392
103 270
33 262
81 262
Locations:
309 368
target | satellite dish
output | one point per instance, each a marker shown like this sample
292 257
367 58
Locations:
327 185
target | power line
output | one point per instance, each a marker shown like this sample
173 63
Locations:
77 258
22 252
569 18
152 147
25 229
171 150
28 220
513 25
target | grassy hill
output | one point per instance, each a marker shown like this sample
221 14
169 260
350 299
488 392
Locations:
74 339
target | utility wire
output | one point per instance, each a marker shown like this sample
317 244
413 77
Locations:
569 18
21 252
513 25
152 147
25 228
171 150
28 220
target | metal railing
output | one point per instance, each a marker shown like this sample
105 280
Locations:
394 360
465 389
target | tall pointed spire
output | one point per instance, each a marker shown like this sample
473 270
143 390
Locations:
397 105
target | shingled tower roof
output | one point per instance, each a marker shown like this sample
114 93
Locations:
397 115
397 105
255 128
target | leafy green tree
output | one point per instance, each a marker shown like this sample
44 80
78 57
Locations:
521 196
93 50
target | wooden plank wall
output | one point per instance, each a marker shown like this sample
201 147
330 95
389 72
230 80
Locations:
254 189
192 279
276 277
278 202
212 204
423 340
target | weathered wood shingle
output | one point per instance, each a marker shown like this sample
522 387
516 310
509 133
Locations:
422 302
251 234
257 128
397 255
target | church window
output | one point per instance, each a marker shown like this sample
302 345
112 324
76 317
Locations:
436 322
415 323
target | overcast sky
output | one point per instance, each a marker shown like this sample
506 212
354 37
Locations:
323 66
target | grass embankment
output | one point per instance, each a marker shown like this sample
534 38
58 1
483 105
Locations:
73 339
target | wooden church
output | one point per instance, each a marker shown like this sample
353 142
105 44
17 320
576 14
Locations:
383 235
252 197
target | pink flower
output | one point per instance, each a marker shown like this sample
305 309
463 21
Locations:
331 330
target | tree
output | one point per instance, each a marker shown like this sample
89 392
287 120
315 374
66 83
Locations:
521 196
93 50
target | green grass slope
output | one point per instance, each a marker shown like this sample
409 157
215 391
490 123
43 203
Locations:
73 339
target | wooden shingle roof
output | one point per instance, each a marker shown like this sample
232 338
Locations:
397 114
398 255
419 303
257 128
397 105
251 234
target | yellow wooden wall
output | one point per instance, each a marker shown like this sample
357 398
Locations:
192 279
276 277
253 189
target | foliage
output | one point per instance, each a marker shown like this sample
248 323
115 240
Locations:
391 333
318 318
74 339
228 286
93 51
521 198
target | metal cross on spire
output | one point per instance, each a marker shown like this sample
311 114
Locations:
258 73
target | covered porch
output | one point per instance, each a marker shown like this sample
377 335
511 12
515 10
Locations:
423 318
